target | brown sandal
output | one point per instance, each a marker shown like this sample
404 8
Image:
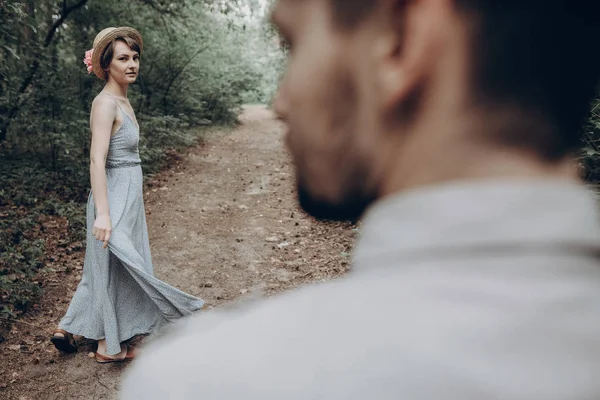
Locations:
65 343
102 359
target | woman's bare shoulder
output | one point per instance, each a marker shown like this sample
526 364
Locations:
104 104
104 100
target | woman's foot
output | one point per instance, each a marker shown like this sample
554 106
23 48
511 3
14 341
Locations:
63 341
127 354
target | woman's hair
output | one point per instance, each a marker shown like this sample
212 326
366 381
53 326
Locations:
108 53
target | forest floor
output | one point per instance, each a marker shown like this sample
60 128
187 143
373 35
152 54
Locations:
223 224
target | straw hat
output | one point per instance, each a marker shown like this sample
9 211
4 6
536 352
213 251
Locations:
104 38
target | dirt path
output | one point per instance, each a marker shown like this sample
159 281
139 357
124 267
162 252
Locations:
223 225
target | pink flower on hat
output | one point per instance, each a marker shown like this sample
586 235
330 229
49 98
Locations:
88 60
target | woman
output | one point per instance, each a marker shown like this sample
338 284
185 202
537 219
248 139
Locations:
118 296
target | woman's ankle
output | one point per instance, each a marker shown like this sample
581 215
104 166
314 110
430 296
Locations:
102 346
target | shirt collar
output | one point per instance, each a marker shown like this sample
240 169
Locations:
482 214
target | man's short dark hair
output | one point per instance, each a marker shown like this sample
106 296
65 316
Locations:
540 55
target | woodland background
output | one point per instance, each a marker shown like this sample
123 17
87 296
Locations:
202 60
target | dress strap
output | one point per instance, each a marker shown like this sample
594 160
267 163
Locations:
115 99
125 113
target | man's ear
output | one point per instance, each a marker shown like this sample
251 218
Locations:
408 47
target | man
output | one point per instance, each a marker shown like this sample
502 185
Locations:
477 274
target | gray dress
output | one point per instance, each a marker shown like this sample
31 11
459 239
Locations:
118 296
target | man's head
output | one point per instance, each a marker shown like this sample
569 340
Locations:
381 95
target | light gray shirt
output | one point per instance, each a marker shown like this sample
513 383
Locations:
474 290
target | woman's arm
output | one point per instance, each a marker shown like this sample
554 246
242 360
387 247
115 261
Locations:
101 122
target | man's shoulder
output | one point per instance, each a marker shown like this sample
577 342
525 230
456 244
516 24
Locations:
347 329
382 326
269 316
221 347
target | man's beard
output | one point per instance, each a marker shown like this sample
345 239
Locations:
349 209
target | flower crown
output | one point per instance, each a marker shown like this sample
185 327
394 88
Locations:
88 60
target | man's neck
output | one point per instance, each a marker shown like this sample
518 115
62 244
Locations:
439 151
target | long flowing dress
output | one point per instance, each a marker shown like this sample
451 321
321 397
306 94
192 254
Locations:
118 296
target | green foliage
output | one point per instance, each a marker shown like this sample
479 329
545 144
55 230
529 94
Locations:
168 133
28 191
19 263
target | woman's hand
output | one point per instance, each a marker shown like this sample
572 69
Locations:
102 229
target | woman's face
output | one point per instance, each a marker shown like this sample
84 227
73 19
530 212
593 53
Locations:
125 64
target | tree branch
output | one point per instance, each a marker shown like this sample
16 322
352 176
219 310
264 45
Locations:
180 70
63 16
